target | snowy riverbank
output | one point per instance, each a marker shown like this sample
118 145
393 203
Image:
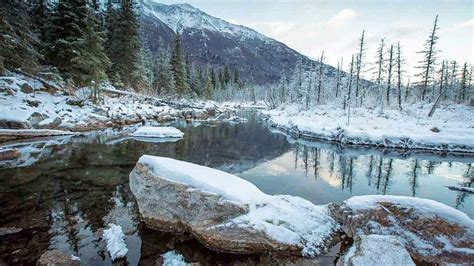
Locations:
30 103
451 129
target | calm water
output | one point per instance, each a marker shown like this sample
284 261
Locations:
61 193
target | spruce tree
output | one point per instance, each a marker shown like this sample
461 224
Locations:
18 43
166 83
123 43
69 30
179 67
91 63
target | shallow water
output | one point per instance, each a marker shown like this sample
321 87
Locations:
61 193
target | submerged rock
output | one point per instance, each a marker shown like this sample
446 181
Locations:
376 250
225 212
56 258
431 231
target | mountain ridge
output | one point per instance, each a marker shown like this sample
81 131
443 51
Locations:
214 42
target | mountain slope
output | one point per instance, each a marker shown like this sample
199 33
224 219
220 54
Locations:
215 42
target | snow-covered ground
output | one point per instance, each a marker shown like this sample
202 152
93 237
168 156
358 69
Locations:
158 132
374 250
450 129
27 103
287 219
115 241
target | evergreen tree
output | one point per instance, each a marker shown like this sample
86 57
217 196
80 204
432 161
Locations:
123 43
18 43
144 75
209 89
166 83
429 59
236 77
69 30
179 67
226 76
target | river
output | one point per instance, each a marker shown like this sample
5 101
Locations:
62 192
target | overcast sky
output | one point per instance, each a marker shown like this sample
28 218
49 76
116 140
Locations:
311 26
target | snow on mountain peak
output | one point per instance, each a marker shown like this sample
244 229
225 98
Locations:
184 16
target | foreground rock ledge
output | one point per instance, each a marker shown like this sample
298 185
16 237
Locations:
225 212
430 231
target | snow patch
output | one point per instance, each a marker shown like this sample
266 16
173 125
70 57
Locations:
115 241
377 250
172 258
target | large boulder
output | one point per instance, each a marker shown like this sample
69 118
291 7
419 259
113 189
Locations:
225 212
431 231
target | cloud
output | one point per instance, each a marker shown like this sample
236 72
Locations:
465 24
341 18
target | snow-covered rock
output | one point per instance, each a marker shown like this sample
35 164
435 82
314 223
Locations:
375 250
236 119
115 241
158 132
172 258
225 212
462 189
429 230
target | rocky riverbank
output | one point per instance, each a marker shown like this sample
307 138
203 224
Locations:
32 104
227 213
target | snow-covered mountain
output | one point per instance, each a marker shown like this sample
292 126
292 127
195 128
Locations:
212 41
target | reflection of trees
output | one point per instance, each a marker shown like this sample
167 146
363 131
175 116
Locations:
430 167
297 151
413 176
468 181
305 159
316 159
370 170
346 165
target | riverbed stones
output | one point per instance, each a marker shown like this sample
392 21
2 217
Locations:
431 231
56 258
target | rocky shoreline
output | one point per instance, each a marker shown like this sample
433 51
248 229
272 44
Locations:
181 201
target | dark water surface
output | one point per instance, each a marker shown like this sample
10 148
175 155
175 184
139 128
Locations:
61 193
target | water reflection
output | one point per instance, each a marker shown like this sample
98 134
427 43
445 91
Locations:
325 175
61 193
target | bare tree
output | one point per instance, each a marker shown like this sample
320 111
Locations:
359 63
429 60
338 76
441 89
464 84
389 76
399 62
380 62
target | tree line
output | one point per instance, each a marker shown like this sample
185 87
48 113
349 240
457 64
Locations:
313 83
85 44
